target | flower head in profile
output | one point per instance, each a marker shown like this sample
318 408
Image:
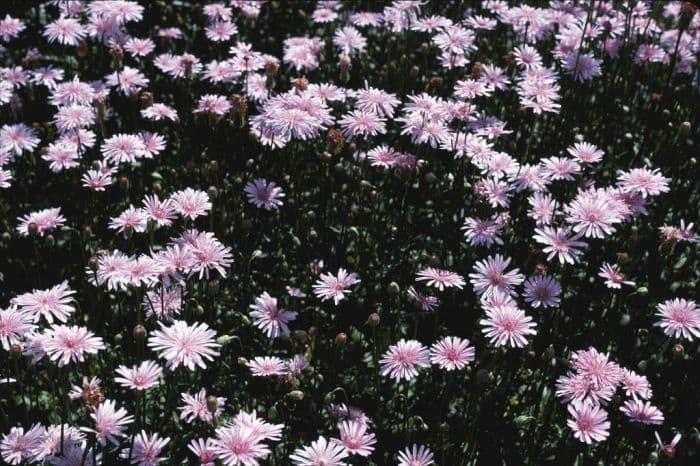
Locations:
427 302
334 287
110 422
182 344
668 448
452 353
642 180
403 359
440 278
43 220
680 318
320 453
416 455
146 449
203 450
590 422
642 412
14 325
263 366
613 278
263 194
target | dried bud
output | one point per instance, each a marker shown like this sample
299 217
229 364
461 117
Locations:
414 71
146 99
477 69
213 166
300 84
335 140
242 361
509 58
117 55
484 377
50 240
239 108
436 82
83 49
688 10
15 350
313 331
124 182
541 269
32 229
655 97
271 69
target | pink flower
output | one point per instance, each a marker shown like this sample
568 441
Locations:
427 302
269 318
590 422
402 360
597 367
636 386
139 47
238 445
669 449
132 219
66 344
593 213
191 203
355 439
18 445
483 231
560 243
11 27
208 253
110 422
642 412
264 194
196 407
348 39
51 303
585 152
145 449
377 101
161 212
182 344
264 366
122 148
18 138
67 31
440 278
451 353
507 325
128 80
416 455
159 112
680 318
359 123
141 377
334 286
613 278
490 276
320 453
642 180
262 429
204 449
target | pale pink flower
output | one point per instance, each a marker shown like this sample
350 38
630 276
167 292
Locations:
110 422
269 318
18 445
122 148
451 353
45 221
191 203
11 27
132 219
642 412
359 123
336 286
18 138
145 449
52 303
590 422
141 377
208 253
507 325
67 31
238 445
157 112
440 278
264 366
642 180
585 152
670 448
636 386
139 47
66 344
542 290
427 302
560 243
14 324
182 344
320 453
264 194
204 449
402 360
490 275
613 278
195 407
161 212
355 438
416 455
680 318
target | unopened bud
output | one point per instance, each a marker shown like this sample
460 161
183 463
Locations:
373 320
684 128
393 289
678 350
212 403
32 229
341 338
140 333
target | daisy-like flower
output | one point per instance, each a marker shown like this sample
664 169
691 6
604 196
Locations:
642 412
559 243
129 80
157 112
590 422
680 318
416 455
402 360
263 194
11 27
260 427
239 445
66 344
582 66
440 278
204 450
132 219
355 438
141 377
110 422
122 148
207 253
139 47
264 366
642 180
613 278
18 138
269 318
597 367
490 275
451 353
377 101
636 386
334 287
191 203
320 453
196 407
146 449
480 231
349 39
72 117
52 303
427 302
221 31
67 31
18 445
359 123
182 344
585 152
44 220
161 212
542 290
507 325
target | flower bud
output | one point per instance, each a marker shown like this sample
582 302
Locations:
124 182
213 192
50 240
684 128
300 84
146 99
212 403
393 289
32 229
341 338
242 361
373 320
140 333
678 351
296 395
213 287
